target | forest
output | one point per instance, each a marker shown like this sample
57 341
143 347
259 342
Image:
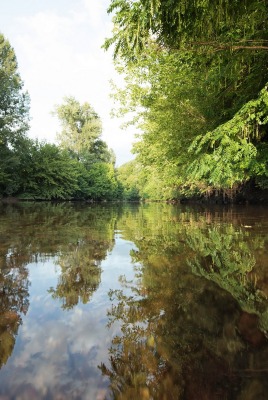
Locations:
196 91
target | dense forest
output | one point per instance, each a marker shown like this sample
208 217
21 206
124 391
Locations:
196 89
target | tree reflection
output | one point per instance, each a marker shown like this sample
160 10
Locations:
189 321
78 236
80 273
14 301
227 258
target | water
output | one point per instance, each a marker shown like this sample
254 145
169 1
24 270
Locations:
133 302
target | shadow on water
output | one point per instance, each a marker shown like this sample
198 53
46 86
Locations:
191 324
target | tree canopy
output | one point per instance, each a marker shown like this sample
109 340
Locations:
14 114
14 102
81 125
181 24
196 78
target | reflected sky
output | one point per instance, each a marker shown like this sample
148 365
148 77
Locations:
171 302
58 352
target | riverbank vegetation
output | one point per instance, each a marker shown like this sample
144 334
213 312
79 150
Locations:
196 89
196 80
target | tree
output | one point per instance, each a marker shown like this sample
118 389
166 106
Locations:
46 172
14 114
235 151
102 182
81 138
128 177
193 72
14 102
181 24
81 126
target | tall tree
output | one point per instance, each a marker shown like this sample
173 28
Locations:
14 115
81 126
14 102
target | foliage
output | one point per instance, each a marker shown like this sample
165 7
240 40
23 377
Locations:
128 178
102 182
46 172
196 78
231 150
14 115
14 102
82 167
81 126
182 24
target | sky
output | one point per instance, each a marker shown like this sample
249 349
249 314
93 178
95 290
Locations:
58 48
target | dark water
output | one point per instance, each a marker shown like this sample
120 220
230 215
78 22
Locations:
133 302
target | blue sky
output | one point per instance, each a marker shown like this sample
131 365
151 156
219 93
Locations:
58 47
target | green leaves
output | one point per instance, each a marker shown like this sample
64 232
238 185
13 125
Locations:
180 24
46 172
196 86
228 155
81 126
14 103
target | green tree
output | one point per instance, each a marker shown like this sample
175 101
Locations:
194 72
102 182
181 24
235 151
128 177
46 172
14 102
14 114
81 126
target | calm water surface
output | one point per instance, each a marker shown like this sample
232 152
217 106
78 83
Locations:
133 302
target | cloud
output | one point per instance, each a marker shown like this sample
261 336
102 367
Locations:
60 54
96 11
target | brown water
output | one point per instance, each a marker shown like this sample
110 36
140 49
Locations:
133 302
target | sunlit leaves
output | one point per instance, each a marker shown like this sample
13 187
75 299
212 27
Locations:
198 25
14 116
192 82
228 155
14 103
81 125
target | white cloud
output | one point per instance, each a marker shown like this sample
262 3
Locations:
96 10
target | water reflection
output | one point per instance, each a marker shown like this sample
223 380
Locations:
187 305
77 237
190 326
14 301
80 276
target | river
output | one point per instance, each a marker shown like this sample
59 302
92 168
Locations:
150 301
